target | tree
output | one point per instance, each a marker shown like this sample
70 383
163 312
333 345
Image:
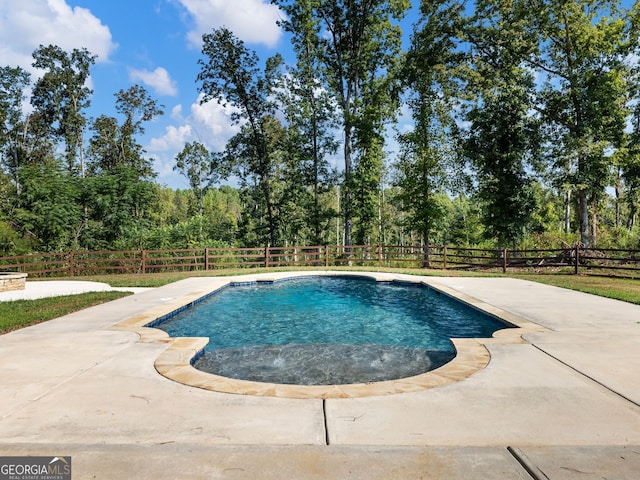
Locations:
358 45
429 73
310 117
629 157
104 145
137 107
230 75
502 143
421 176
498 145
366 187
61 95
119 191
119 209
13 83
463 223
48 210
115 144
200 167
582 47
260 180
629 171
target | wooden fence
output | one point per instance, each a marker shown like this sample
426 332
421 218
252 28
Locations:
575 259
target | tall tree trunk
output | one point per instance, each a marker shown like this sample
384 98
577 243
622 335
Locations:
348 166
381 229
617 187
583 211
426 251
567 212
316 194
594 224
271 220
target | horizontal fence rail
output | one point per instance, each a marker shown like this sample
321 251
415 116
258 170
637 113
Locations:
575 259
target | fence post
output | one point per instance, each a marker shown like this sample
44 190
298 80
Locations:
266 257
326 256
577 258
379 256
144 261
206 258
504 260
71 256
444 256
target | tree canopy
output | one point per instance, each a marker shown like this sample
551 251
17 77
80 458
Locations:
511 123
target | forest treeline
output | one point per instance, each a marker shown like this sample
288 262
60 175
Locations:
525 132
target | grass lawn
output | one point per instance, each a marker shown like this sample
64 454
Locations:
22 313
624 289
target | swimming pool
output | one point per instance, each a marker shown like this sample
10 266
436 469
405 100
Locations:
327 330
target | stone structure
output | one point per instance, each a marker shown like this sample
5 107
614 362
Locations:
12 281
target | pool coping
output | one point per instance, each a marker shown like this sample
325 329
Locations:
175 362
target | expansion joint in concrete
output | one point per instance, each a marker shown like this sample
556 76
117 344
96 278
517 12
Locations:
326 426
609 389
523 460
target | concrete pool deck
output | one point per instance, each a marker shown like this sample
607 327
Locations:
563 404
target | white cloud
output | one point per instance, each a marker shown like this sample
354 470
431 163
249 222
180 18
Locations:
172 141
158 79
209 124
26 24
176 112
253 21
213 123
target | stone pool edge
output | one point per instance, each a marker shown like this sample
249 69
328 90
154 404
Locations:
175 362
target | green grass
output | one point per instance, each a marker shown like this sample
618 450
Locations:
22 313
128 280
625 289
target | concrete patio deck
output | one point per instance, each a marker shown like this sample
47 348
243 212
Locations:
564 404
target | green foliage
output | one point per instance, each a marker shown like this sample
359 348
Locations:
463 223
365 186
581 52
118 208
502 142
114 145
310 118
216 227
200 167
47 208
60 95
423 168
421 179
13 83
498 144
525 114
357 45
230 75
11 242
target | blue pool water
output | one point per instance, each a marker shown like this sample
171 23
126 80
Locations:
328 330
